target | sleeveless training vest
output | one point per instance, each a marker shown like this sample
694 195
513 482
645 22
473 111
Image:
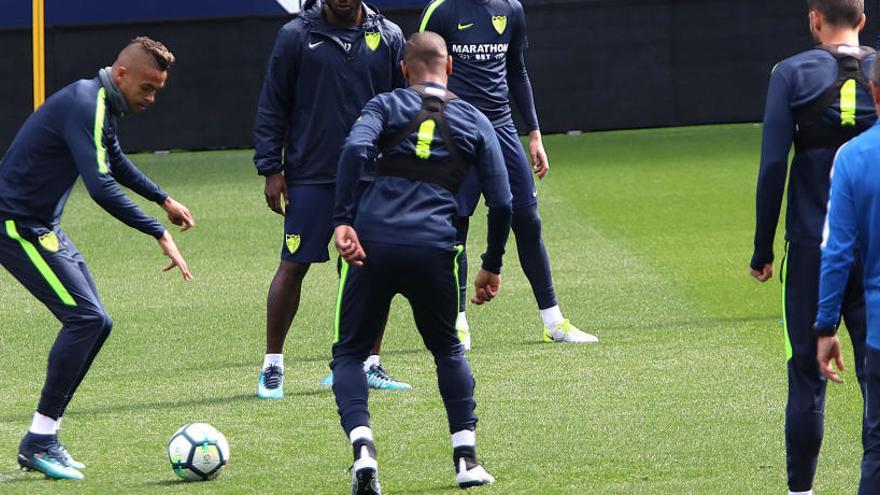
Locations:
448 172
832 120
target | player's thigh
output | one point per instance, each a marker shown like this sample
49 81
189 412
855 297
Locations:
433 294
48 266
519 172
308 223
800 295
362 304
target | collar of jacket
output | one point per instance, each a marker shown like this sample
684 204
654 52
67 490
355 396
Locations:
118 106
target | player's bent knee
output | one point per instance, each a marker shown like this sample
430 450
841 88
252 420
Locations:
526 221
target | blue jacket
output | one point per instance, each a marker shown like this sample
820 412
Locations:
317 81
487 41
73 134
853 219
396 210
796 83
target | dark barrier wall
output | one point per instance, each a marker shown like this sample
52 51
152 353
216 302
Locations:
594 65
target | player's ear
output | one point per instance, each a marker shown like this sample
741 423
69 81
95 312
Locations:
875 94
815 21
119 73
449 65
861 24
404 69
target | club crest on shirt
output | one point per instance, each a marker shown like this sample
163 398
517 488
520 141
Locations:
49 241
292 241
500 23
373 39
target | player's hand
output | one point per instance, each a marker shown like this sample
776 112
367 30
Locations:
764 275
349 246
178 214
827 350
276 188
170 250
487 285
540 164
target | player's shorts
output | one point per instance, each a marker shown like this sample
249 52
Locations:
308 222
522 185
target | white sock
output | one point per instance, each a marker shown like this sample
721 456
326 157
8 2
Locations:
359 433
461 321
43 425
808 492
57 425
552 316
371 360
466 438
273 359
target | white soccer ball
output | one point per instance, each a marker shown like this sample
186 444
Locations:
198 452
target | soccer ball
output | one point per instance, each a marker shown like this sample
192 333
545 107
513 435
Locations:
198 452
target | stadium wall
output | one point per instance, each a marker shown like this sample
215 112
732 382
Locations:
595 65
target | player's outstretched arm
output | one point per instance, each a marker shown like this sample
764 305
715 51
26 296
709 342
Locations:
170 250
178 214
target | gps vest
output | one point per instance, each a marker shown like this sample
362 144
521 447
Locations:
448 172
832 119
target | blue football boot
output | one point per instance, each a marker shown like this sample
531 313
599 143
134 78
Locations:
271 383
41 453
378 378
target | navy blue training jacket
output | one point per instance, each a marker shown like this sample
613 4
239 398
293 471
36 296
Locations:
73 134
396 210
317 81
796 82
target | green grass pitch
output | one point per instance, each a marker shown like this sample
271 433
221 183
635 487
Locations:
649 233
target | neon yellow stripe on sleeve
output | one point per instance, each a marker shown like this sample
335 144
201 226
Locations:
100 109
428 12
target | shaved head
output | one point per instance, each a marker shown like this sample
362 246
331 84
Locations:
426 58
140 71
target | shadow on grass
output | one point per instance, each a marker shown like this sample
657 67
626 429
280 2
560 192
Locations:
15 476
175 404
431 489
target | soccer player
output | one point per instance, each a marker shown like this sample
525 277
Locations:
488 41
816 101
402 241
73 134
852 243
326 64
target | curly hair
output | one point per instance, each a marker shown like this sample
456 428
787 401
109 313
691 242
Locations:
163 56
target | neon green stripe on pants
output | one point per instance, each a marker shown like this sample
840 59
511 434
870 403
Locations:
788 351
342 275
40 264
458 250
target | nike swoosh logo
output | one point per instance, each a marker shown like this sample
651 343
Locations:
313 45
462 27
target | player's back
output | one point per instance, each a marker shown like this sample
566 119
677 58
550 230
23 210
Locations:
828 108
410 211
38 170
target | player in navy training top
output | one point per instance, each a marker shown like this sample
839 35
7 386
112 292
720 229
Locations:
326 64
487 39
73 134
816 101
403 241
853 220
